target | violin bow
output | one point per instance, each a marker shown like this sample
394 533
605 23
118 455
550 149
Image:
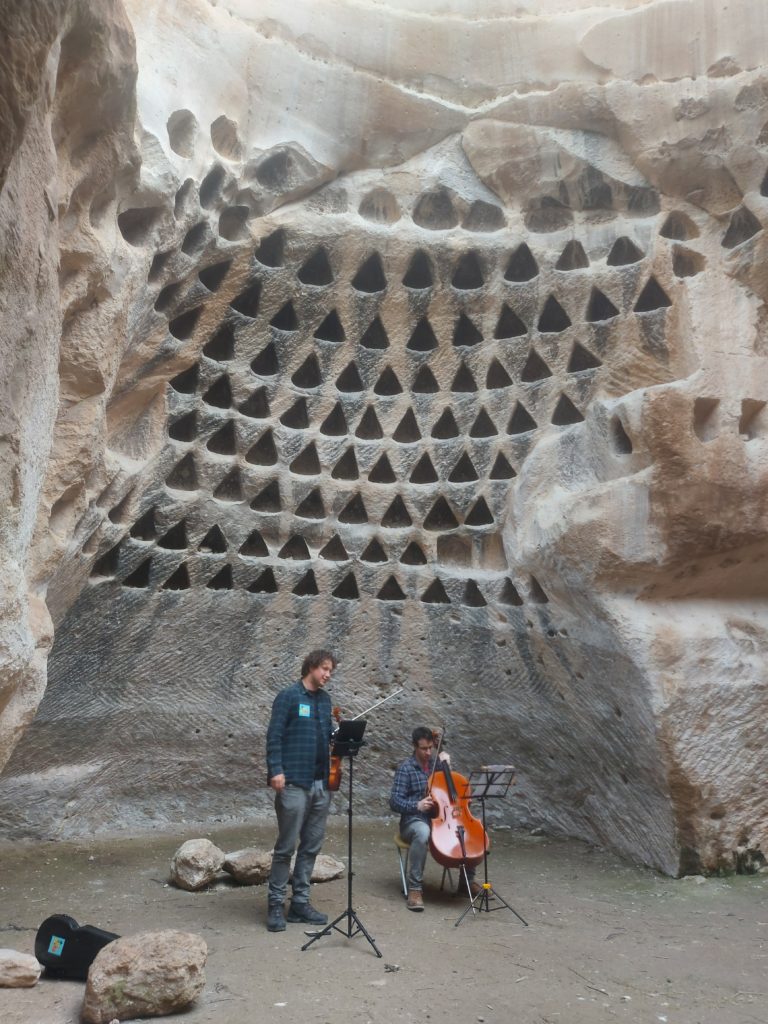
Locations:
437 758
378 704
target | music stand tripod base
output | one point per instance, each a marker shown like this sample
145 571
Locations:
353 925
485 783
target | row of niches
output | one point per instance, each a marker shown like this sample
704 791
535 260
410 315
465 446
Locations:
376 378
364 457
470 271
440 208
429 503
198 532
437 208
469 275
417 334
302 450
261 576
321 266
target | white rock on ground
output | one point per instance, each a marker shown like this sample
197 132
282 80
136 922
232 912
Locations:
147 975
252 867
18 970
195 864
249 866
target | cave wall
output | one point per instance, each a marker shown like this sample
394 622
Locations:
448 353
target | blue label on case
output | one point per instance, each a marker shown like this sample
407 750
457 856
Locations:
56 945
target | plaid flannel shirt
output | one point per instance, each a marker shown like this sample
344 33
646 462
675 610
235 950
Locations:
410 786
293 735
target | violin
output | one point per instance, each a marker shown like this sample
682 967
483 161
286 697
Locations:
456 836
334 774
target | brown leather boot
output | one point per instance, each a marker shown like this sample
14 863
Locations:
415 900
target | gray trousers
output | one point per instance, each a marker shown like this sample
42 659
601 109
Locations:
416 832
301 815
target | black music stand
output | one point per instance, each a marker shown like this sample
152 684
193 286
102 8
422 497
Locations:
486 783
347 742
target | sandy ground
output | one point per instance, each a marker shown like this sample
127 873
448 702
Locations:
606 941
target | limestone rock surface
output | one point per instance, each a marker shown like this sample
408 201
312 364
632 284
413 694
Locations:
18 970
195 864
434 333
147 975
252 866
327 868
249 866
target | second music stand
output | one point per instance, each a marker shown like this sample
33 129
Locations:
489 782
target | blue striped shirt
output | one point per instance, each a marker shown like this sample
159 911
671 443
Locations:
299 735
410 786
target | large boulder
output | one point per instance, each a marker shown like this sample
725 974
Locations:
195 864
147 975
249 866
252 866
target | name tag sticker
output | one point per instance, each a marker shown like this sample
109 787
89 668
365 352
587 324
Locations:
304 711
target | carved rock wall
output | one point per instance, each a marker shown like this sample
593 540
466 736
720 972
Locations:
462 375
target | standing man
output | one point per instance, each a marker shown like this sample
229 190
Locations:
408 799
298 761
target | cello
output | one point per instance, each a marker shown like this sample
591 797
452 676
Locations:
456 836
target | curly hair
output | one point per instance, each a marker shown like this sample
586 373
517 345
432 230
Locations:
315 658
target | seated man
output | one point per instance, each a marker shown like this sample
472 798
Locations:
408 799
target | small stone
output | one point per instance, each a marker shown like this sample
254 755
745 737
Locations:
18 970
249 866
696 879
147 975
195 864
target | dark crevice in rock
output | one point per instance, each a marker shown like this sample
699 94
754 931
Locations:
468 274
396 516
256 405
230 488
370 277
219 394
566 413
424 471
346 468
419 273
224 440
535 368
214 541
183 429
369 428
265 363
331 329
221 347
268 499
307 462
296 416
317 269
335 423
308 375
